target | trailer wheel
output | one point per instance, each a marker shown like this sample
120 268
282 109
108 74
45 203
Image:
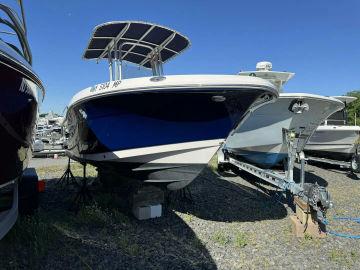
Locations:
355 164
28 192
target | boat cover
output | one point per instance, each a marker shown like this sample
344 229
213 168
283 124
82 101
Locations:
146 38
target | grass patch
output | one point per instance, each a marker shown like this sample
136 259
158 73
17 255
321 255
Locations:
241 240
187 217
93 215
76 168
213 163
43 172
336 255
307 237
309 241
119 217
96 215
34 235
221 238
127 245
111 203
344 258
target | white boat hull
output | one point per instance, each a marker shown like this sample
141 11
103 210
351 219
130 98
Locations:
334 142
259 139
185 160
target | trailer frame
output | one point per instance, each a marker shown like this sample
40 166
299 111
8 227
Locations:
317 197
353 165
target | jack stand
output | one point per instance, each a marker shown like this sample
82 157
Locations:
302 168
83 196
304 221
67 178
289 137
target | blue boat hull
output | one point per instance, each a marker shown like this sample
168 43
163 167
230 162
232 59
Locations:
130 121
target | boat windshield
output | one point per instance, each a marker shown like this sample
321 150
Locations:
13 27
134 71
339 118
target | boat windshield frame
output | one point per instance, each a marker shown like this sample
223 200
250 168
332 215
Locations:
334 119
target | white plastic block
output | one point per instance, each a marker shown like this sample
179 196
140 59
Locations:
147 212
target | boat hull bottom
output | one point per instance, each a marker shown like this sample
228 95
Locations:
165 176
171 166
261 159
335 155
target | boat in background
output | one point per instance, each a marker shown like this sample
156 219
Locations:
259 138
161 130
335 138
19 99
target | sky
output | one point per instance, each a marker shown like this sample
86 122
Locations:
318 40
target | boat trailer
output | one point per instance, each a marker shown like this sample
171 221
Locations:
353 165
311 200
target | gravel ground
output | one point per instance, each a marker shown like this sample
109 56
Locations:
229 224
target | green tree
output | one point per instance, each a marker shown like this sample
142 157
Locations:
354 108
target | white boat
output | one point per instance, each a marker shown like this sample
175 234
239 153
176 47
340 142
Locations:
161 129
335 139
259 138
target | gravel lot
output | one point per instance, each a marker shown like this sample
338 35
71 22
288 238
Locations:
229 224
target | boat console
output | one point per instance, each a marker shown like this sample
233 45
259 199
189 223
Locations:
264 71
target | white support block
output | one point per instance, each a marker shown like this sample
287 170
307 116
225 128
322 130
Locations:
147 212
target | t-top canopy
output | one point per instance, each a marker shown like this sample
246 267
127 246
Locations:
138 42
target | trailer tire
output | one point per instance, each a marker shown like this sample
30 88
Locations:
355 164
28 192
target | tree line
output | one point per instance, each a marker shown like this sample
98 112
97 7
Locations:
353 109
